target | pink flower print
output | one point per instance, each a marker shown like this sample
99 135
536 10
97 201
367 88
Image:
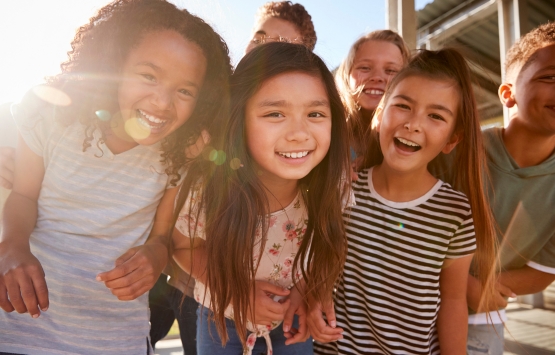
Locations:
251 340
288 226
269 327
303 231
299 242
273 221
290 235
288 262
286 274
273 251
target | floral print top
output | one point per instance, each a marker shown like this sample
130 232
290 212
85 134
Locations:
286 229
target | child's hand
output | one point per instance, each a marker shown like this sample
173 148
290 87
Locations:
22 284
266 310
320 330
7 166
136 271
474 294
298 307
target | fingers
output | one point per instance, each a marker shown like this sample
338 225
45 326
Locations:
330 315
504 290
122 268
271 288
319 328
299 335
22 291
288 319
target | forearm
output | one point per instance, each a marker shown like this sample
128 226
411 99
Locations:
193 261
452 326
18 219
526 280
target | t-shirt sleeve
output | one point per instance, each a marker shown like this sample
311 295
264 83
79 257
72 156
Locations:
464 240
35 120
545 260
191 220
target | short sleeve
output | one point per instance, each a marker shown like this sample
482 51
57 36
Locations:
463 241
35 121
544 260
191 220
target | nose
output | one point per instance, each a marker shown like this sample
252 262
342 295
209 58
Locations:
162 98
297 130
414 123
376 76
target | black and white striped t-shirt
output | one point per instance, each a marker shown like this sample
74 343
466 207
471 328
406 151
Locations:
388 298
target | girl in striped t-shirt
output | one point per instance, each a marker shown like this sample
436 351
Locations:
411 236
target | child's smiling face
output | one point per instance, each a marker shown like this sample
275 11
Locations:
161 80
375 63
534 92
418 122
288 126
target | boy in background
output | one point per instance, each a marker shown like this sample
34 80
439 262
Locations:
521 162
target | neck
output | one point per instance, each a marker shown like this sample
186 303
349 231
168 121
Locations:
115 136
539 145
280 193
401 186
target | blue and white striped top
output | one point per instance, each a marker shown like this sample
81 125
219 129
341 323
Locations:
93 206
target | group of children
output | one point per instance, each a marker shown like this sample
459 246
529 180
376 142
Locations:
155 156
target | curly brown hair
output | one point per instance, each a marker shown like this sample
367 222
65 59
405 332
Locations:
91 74
524 49
294 13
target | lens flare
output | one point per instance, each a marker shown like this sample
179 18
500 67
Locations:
213 155
220 157
103 115
401 226
52 95
136 130
235 163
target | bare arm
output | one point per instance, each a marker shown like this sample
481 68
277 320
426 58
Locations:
7 166
137 270
526 280
22 282
452 319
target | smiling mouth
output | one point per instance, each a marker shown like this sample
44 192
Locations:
294 155
149 121
406 145
373 92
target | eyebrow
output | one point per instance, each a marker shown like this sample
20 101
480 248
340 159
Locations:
549 67
262 32
434 106
158 69
283 103
371 61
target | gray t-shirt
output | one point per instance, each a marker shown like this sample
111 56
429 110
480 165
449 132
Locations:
93 206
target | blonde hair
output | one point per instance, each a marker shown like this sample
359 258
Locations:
348 96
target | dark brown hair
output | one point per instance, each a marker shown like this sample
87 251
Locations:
235 199
294 13
91 73
469 171
523 50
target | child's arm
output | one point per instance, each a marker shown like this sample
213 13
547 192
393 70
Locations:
474 295
452 322
22 283
137 270
192 257
7 166
298 307
526 280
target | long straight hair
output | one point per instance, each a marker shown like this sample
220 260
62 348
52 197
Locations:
236 201
467 164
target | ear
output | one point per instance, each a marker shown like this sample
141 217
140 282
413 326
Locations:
506 95
452 143
377 119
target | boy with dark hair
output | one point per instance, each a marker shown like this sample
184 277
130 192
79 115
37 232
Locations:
283 21
521 161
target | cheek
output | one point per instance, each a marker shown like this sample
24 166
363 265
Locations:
354 80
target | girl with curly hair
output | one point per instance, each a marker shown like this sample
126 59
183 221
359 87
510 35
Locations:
100 149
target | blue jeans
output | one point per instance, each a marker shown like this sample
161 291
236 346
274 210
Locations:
485 339
209 342
165 306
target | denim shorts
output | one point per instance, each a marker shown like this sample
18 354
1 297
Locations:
485 339
209 343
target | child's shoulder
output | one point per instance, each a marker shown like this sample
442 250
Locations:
450 196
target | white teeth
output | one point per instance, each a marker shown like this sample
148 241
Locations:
151 118
407 142
294 155
374 92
